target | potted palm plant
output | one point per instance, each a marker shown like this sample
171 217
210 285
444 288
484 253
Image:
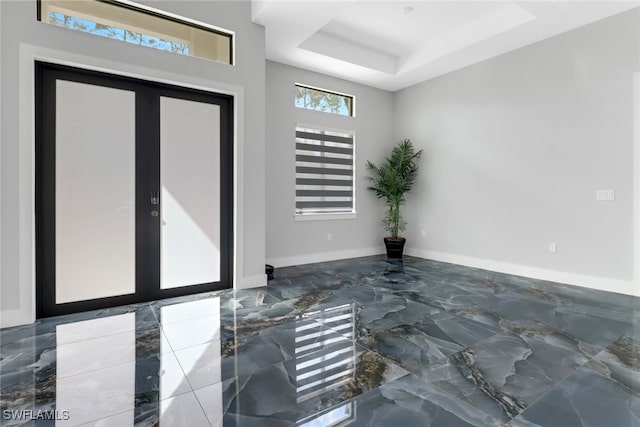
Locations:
391 181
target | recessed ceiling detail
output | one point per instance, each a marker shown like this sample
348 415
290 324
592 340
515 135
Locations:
328 44
379 44
483 27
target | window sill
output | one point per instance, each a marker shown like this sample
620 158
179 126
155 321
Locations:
325 216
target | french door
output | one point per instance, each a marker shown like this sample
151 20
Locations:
134 190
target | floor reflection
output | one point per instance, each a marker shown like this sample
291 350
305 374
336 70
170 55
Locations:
164 365
324 359
336 417
192 332
135 368
363 342
333 364
394 267
95 369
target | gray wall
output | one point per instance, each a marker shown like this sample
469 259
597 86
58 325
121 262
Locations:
297 242
516 147
19 26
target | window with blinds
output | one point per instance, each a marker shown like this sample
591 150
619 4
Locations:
324 171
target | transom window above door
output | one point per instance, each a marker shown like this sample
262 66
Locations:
140 25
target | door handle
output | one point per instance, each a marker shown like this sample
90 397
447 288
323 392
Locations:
155 198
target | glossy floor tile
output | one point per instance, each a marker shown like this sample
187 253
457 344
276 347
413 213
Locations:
361 342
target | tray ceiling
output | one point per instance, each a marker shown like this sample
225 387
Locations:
392 44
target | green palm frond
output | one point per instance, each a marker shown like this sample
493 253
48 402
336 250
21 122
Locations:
392 179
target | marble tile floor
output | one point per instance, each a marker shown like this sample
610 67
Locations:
360 342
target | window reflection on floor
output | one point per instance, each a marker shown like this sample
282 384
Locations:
325 359
335 417
99 373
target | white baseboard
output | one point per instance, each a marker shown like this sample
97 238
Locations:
9 318
593 282
324 256
249 282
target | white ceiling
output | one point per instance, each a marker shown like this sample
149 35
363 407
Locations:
379 43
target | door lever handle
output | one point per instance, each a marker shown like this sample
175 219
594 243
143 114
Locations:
155 198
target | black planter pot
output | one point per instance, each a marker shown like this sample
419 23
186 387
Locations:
395 247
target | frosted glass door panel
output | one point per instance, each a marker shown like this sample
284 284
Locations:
95 192
190 192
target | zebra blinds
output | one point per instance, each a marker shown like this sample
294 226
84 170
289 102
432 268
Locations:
324 171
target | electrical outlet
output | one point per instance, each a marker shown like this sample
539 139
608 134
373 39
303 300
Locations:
605 195
553 248
329 237
423 233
